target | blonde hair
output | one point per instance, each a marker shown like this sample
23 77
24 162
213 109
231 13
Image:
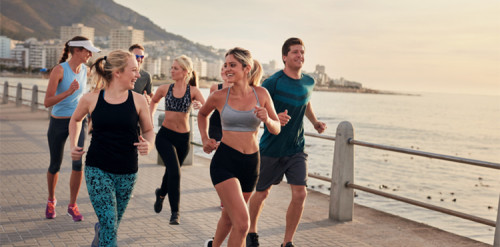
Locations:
187 64
103 68
245 58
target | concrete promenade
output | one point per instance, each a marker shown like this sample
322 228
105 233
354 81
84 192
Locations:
24 160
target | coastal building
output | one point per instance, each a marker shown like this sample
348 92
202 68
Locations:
200 66
5 43
53 52
166 63
213 70
153 66
77 29
124 37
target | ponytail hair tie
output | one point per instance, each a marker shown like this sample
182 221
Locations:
105 58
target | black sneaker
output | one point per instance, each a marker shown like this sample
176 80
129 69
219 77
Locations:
208 243
174 219
253 240
289 244
159 201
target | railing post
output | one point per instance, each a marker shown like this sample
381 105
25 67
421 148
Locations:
496 241
341 197
5 98
161 117
189 158
19 94
34 99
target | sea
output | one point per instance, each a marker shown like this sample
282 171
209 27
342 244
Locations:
461 125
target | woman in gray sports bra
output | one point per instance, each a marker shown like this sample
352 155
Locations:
235 165
172 140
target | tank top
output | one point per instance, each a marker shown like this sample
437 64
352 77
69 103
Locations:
113 136
215 128
67 106
178 104
234 120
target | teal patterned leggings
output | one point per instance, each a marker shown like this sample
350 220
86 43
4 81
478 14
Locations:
109 194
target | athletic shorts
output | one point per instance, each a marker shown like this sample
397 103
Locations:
272 170
230 163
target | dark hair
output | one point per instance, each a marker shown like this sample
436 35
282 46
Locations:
135 46
289 42
245 58
104 67
70 49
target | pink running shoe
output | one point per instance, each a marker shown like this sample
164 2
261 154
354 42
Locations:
50 210
75 213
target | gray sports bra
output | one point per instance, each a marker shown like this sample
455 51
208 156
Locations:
234 120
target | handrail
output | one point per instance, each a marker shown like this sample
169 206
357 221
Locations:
427 154
423 204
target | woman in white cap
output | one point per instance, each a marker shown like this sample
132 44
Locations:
67 83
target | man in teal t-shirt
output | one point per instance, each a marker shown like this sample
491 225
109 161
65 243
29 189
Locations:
283 154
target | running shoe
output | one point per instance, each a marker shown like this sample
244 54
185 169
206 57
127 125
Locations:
253 239
75 213
50 210
97 228
159 201
174 219
289 244
208 243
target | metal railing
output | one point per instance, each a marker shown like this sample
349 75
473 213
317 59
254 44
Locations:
342 179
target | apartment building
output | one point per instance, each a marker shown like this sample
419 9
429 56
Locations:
124 37
77 29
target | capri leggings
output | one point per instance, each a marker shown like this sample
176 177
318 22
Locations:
56 135
173 148
230 163
109 194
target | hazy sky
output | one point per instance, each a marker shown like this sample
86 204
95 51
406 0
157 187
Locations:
403 45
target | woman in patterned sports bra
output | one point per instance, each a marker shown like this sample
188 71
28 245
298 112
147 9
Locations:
235 165
172 140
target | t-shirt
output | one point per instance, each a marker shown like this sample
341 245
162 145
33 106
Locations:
292 95
143 83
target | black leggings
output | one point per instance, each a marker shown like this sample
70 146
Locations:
173 148
56 135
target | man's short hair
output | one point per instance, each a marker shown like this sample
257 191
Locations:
135 46
289 42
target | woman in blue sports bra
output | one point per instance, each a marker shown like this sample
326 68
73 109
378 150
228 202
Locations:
235 165
172 140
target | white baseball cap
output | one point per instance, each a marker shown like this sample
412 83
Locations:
87 44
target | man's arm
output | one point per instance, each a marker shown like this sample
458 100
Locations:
318 125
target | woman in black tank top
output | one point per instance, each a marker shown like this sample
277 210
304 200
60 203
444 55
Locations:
112 155
172 140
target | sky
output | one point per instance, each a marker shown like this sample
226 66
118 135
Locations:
445 46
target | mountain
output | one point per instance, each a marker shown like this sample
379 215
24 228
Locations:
42 19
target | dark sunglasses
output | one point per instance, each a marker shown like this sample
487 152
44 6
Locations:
139 56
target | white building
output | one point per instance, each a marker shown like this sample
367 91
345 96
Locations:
53 53
78 29
153 66
124 37
21 54
213 70
166 64
4 47
200 66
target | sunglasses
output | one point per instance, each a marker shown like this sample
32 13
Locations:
139 56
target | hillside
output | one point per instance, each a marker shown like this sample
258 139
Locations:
42 19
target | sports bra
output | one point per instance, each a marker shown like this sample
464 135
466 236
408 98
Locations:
178 104
234 120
